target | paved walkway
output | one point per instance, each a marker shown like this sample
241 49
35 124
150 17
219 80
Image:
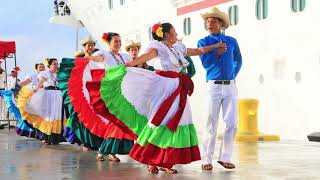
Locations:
22 158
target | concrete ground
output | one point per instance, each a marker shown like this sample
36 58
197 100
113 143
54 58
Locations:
23 158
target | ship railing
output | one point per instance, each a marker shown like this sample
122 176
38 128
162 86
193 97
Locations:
61 8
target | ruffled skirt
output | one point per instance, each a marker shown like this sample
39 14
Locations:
43 112
22 128
114 139
134 96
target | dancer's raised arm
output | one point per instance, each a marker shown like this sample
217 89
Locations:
96 58
152 53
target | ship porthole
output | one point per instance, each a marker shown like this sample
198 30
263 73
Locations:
297 77
261 79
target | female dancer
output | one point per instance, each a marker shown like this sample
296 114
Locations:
115 141
31 82
44 109
155 105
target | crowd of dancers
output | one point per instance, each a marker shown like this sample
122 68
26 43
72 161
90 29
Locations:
116 103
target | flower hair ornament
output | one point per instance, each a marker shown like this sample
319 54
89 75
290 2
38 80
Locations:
105 37
16 69
46 62
157 29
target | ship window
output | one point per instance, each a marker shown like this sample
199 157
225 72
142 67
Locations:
233 15
262 9
298 77
298 5
110 2
261 78
150 34
122 2
187 26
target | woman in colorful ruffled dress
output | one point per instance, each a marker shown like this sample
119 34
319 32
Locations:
115 141
43 111
75 131
29 82
155 105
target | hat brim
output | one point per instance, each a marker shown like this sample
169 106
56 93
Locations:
88 42
220 16
138 45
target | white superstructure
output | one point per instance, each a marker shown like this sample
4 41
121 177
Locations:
279 41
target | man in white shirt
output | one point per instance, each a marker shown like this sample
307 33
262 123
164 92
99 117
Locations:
13 82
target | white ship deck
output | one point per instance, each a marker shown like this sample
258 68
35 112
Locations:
23 158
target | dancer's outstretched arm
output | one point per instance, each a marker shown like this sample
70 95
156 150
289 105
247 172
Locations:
152 53
205 49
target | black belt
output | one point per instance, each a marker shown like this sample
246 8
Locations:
51 88
226 82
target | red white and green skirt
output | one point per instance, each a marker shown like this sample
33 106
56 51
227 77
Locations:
154 106
93 116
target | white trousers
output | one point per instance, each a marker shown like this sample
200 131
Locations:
220 97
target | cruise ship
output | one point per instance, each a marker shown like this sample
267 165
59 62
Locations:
278 41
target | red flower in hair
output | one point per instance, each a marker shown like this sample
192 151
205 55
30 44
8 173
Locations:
155 28
105 36
17 69
158 30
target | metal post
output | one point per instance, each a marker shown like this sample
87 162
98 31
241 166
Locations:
77 36
8 118
15 65
15 60
6 84
5 71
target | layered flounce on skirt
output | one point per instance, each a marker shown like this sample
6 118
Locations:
63 76
75 132
43 112
142 104
155 107
98 120
22 128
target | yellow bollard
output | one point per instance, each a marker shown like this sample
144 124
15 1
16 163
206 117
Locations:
248 122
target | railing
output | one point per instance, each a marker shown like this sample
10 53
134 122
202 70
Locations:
61 8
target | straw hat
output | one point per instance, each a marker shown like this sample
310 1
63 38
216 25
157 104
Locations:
87 41
132 44
215 12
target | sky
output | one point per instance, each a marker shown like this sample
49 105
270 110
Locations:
27 23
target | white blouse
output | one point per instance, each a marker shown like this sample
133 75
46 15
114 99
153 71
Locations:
50 78
168 58
12 82
113 60
34 79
